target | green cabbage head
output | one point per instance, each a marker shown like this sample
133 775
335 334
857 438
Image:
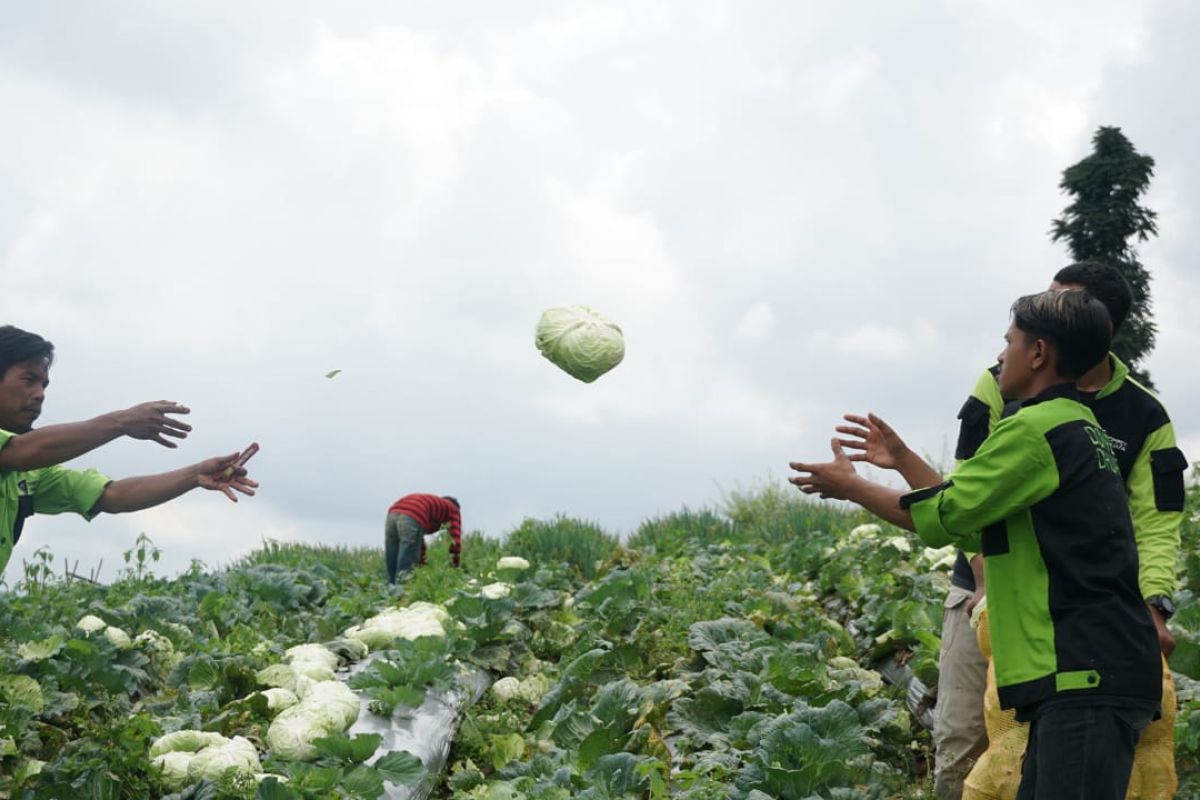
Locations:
188 756
185 742
213 762
582 343
327 707
279 699
412 622
292 733
119 638
280 675
175 767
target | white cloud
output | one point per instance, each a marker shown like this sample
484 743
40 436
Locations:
757 325
837 83
873 341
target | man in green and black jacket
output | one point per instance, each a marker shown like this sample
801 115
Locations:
1042 499
1150 463
1143 440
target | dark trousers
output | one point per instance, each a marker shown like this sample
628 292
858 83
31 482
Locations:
1081 753
403 545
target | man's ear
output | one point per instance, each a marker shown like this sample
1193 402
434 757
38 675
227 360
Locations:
1039 355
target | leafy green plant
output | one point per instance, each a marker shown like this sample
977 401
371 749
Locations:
583 546
341 771
402 675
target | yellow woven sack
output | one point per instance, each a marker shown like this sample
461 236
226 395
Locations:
997 773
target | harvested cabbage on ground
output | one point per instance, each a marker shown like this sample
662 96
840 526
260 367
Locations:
93 624
312 661
412 622
325 708
496 591
188 756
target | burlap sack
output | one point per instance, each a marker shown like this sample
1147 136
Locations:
997 773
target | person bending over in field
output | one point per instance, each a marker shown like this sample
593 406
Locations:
1075 649
410 519
1151 465
31 480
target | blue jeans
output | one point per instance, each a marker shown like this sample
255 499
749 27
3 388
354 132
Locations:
1081 753
402 540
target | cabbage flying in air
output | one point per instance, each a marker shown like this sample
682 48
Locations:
582 343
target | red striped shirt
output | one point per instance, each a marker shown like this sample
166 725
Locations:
431 513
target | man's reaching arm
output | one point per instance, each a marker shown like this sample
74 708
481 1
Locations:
882 447
56 444
147 491
837 480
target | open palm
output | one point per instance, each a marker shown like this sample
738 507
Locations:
874 440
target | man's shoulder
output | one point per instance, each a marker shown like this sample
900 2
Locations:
988 382
1144 403
984 396
30 480
1041 419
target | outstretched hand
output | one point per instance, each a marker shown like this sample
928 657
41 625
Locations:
831 480
149 421
880 445
221 474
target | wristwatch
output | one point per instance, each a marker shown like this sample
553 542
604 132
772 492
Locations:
1163 603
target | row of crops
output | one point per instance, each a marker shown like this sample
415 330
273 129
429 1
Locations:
712 655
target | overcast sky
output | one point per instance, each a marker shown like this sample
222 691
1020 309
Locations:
793 209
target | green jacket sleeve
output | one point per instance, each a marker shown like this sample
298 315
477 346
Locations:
1155 528
978 416
1012 470
58 490
987 390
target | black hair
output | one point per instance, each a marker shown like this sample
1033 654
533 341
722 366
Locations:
18 346
1076 323
452 500
1103 282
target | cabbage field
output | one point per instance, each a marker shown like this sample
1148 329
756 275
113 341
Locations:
775 648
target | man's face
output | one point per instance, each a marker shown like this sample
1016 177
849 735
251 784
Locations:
22 391
1020 359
